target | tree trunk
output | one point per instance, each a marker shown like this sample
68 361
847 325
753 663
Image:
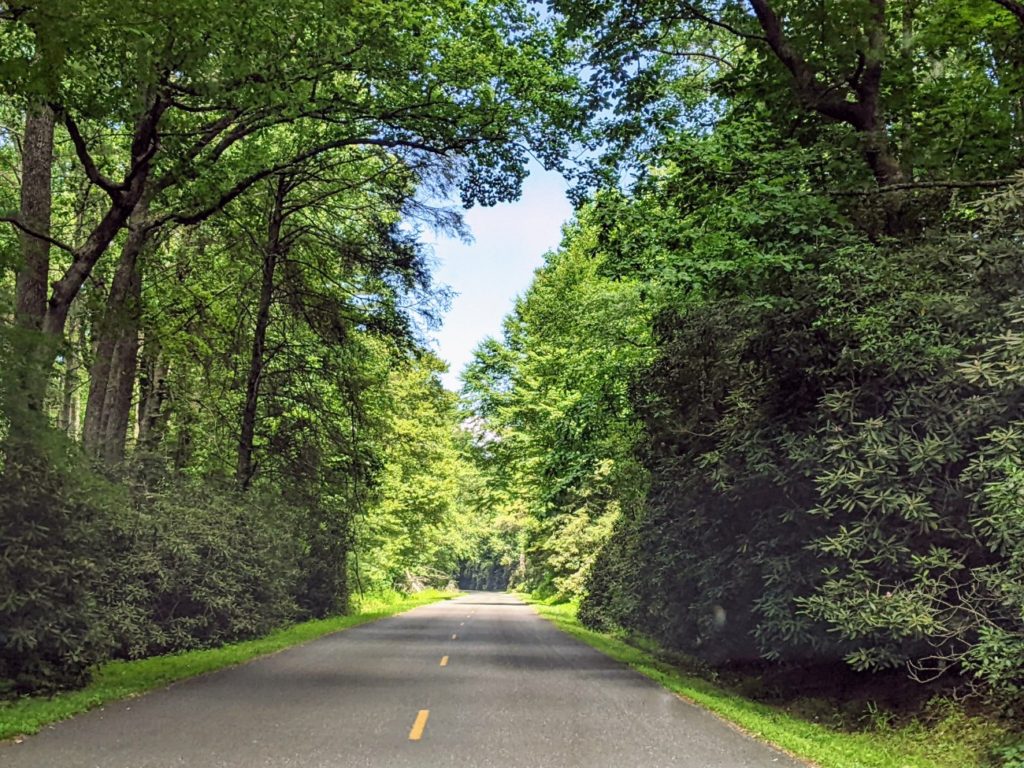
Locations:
67 419
125 200
67 416
878 154
857 103
152 396
906 133
115 351
271 255
35 353
99 373
117 406
36 201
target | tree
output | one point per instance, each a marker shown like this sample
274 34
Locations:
860 79
551 401
208 91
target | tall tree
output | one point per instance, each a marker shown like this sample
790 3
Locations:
857 80
201 90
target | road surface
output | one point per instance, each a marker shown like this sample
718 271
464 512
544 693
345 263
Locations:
480 681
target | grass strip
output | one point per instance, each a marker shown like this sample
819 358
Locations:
955 740
121 679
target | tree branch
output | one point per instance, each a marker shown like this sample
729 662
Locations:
696 55
13 220
711 20
1014 7
911 185
211 132
805 79
91 171
195 217
145 142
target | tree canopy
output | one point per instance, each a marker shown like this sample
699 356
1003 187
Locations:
219 406
761 406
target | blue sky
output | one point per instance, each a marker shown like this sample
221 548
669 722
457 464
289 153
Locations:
509 243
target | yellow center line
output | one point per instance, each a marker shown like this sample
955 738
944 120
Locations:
417 728
455 637
444 661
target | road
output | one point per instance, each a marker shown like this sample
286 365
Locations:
480 681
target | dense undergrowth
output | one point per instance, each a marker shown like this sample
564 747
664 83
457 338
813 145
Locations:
94 571
101 566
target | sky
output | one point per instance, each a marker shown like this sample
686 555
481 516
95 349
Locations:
487 274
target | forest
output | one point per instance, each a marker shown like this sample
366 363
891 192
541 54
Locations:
762 406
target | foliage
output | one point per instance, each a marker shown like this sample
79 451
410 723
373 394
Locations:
51 628
824 440
815 375
190 568
419 529
215 385
555 431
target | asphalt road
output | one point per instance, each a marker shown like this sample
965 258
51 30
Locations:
480 681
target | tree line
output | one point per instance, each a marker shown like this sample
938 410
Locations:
763 403
220 410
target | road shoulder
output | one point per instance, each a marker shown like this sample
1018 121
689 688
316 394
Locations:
813 743
118 680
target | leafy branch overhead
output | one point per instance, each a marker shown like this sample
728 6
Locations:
218 101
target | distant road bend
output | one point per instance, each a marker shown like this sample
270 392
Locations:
480 681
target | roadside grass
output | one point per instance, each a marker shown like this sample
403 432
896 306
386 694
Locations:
122 679
948 738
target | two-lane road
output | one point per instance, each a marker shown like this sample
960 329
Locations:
479 681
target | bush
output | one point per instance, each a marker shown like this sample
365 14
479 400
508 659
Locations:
51 628
192 568
836 473
92 569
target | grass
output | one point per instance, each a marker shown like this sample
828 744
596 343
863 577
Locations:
121 679
950 739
